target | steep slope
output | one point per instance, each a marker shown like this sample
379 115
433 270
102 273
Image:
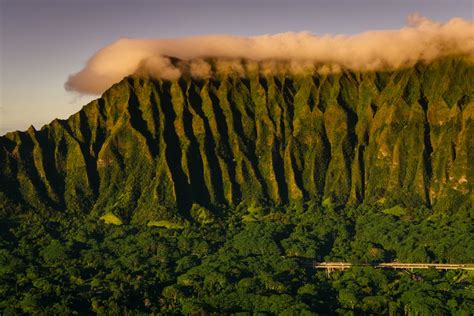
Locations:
149 148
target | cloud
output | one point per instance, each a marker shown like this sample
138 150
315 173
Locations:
422 40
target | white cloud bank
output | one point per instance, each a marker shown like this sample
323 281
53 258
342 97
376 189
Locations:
422 40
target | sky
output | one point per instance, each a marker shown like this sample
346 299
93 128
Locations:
42 42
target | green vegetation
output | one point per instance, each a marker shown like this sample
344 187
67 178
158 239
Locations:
110 218
397 210
215 196
149 150
64 265
165 224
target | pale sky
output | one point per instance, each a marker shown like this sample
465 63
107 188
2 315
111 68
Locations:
42 42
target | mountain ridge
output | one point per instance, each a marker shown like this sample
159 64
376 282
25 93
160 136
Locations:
151 149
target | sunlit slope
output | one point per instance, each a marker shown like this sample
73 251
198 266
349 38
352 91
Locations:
150 149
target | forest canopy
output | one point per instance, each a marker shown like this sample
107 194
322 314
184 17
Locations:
63 264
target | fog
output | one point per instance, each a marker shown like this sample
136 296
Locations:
422 40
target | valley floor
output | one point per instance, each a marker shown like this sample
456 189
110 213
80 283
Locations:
248 261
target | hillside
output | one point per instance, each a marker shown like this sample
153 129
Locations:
151 149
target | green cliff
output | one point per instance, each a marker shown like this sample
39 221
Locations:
150 149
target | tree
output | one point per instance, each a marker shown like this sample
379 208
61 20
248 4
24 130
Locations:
55 253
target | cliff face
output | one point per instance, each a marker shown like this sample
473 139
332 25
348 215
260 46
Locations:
147 148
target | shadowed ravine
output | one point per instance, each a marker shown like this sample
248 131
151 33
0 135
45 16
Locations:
147 148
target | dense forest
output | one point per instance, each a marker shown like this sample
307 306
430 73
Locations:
252 260
216 196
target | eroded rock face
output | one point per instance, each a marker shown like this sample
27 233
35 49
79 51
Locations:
148 148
